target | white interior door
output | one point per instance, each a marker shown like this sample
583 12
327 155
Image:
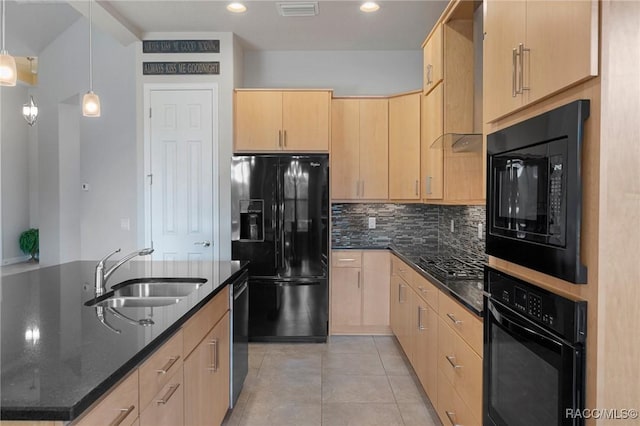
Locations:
181 174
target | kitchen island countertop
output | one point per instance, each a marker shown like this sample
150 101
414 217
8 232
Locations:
57 358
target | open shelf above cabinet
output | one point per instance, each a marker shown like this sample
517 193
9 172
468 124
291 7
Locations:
459 142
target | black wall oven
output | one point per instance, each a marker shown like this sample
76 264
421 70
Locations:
534 354
534 192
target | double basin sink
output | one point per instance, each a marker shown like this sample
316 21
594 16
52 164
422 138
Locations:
147 292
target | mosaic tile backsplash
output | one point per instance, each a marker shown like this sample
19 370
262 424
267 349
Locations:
422 226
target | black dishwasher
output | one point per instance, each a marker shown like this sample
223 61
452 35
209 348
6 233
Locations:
240 332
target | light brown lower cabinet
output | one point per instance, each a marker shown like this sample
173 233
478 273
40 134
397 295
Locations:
450 407
206 378
443 342
360 292
167 406
425 356
119 407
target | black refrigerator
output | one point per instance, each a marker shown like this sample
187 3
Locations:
280 223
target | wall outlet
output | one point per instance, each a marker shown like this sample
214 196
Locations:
372 223
125 224
453 226
480 233
85 186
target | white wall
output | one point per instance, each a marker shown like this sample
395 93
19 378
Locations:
107 146
347 72
14 141
226 81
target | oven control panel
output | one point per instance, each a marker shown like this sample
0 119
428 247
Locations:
547 309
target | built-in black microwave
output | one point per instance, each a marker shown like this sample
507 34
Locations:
534 192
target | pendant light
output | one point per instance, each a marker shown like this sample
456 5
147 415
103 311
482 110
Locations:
8 74
90 101
30 109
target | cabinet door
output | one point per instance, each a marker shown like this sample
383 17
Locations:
404 147
258 121
305 120
504 27
346 297
374 149
432 153
426 348
345 153
376 268
432 55
221 373
206 378
562 38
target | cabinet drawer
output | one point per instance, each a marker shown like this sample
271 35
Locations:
199 325
119 407
346 259
466 324
401 269
450 407
427 291
167 406
158 369
461 366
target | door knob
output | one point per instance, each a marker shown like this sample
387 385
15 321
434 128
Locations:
202 243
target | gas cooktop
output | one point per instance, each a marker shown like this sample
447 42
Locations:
460 267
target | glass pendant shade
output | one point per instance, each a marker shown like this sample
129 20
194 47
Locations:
30 111
8 74
90 104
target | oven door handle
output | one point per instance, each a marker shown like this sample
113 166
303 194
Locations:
512 321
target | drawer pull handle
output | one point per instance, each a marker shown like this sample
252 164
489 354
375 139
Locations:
168 365
452 361
168 395
214 350
451 415
346 260
454 319
420 325
124 412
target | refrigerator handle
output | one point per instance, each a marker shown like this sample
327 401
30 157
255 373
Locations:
281 217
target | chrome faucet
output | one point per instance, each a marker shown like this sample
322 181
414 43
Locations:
102 276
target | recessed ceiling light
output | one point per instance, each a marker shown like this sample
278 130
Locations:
369 6
236 7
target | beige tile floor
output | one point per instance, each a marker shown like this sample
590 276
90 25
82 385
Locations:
351 380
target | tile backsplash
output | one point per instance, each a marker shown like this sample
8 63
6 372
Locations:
423 226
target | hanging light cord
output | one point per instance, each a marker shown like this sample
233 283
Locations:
3 26
90 52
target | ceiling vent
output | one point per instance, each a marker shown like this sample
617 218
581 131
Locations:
297 8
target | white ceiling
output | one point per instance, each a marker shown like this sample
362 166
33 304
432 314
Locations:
398 25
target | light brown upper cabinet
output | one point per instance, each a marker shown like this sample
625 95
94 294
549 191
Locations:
359 149
404 147
533 49
432 56
451 163
271 121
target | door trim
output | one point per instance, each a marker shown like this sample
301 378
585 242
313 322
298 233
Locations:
213 88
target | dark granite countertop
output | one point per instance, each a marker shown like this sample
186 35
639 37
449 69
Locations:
468 292
56 356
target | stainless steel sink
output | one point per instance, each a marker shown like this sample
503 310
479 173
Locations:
148 292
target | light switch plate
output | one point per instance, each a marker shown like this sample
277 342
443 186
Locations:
372 223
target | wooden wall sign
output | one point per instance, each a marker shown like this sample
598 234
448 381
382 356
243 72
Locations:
181 46
180 68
